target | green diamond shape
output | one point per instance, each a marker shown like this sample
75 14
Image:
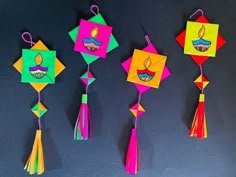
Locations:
112 43
39 109
85 77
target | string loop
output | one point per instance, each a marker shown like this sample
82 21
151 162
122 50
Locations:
198 10
94 9
30 41
148 39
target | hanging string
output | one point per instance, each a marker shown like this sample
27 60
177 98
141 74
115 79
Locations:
198 10
39 119
148 39
201 71
30 41
136 119
87 84
96 11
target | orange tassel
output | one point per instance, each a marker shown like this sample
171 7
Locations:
199 128
35 162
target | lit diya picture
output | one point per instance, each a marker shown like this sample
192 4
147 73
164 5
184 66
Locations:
92 44
145 74
201 45
38 71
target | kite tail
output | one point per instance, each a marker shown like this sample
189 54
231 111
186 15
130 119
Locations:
132 158
83 127
35 162
199 128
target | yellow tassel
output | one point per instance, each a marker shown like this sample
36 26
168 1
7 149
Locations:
35 162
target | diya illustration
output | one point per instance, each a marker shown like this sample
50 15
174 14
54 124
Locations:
92 44
145 74
38 71
201 45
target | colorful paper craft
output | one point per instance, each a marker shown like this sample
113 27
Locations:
39 67
200 40
146 69
93 39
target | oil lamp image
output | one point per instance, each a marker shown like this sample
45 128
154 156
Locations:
201 45
38 71
92 44
145 74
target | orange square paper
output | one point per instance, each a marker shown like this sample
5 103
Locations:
201 39
146 68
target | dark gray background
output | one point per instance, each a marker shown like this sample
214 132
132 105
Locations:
165 148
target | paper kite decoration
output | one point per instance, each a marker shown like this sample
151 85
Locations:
146 69
93 39
200 40
38 66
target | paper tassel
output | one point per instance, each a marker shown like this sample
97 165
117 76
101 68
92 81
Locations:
35 162
83 121
199 128
132 159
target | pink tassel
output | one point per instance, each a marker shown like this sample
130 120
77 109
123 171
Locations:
82 126
132 159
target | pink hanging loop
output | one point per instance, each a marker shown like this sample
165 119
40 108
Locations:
148 39
94 9
30 41
198 10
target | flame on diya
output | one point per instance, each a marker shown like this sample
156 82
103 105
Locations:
92 44
201 45
145 74
38 71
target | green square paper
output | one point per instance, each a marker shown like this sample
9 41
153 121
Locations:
29 60
112 43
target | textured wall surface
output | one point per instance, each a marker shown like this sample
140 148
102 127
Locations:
165 148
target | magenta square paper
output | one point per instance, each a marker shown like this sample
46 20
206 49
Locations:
93 38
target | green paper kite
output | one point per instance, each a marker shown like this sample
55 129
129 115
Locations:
93 39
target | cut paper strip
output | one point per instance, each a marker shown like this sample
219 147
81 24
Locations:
35 162
141 88
132 160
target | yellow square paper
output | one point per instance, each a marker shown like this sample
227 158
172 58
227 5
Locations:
146 68
201 39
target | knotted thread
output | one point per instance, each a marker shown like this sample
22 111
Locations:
94 9
30 41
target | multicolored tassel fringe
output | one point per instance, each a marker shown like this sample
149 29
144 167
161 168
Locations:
132 159
83 123
35 162
199 128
